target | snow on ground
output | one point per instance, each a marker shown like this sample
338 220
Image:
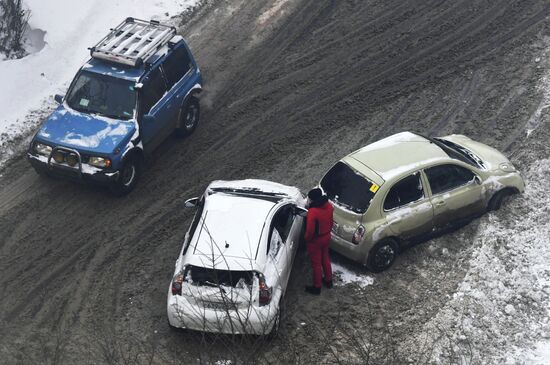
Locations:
503 299
70 28
344 276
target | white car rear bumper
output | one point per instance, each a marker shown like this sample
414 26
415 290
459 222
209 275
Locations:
253 319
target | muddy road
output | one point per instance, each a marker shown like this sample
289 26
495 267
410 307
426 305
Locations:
291 87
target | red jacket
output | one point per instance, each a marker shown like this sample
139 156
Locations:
319 224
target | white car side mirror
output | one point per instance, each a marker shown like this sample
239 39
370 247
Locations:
302 212
192 203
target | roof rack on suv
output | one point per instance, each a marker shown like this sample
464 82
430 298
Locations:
133 41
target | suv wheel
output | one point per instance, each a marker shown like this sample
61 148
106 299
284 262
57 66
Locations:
383 255
127 180
189 118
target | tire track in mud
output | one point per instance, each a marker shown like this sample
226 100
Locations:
12 195
363 57
418 78
452 110
400 65
389 123
379 78
395 13
53 273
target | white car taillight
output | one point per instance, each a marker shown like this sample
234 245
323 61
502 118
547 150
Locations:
178 281
358 235
265 291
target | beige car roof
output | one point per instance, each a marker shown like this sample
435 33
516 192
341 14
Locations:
396 155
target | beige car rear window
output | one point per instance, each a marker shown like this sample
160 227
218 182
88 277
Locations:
346 187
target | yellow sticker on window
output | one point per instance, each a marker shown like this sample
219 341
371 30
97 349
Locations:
374 188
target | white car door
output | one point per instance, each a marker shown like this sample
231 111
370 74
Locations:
284 239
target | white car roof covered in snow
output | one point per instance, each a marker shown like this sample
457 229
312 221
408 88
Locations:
229 234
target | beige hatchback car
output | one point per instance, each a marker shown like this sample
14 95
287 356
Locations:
407 187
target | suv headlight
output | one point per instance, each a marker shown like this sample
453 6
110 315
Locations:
99 162
42 149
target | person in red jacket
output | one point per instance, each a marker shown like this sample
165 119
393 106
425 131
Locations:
318 227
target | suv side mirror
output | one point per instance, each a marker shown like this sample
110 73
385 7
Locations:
58 98
191 203
148 118
302 212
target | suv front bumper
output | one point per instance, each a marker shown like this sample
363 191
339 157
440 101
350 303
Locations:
81 172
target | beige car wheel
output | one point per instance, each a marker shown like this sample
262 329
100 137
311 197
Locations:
383 255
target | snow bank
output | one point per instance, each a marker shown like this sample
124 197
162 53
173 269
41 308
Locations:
505 293
70 28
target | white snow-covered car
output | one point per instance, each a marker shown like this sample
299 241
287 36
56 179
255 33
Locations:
234 266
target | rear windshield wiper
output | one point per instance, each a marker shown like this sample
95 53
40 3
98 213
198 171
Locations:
209 283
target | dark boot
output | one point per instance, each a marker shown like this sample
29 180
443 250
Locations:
328 284
313 290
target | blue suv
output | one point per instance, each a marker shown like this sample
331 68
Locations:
140 85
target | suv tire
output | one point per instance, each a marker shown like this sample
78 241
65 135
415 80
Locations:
189 117
128 178
383 255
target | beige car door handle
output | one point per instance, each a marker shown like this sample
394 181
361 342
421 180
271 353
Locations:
440 203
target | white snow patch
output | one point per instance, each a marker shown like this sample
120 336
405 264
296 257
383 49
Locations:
275 9
541 355
347 276
224 362
506 289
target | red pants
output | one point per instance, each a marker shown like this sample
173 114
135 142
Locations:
320 261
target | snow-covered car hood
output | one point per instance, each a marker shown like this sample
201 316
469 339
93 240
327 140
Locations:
490 156
92 133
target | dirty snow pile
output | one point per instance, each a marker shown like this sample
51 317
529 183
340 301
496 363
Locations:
344 276
60 32
506 288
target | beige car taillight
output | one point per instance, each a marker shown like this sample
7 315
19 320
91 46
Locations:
358 234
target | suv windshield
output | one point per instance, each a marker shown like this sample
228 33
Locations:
101 94
347 188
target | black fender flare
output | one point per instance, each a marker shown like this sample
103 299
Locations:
134 152
192 94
